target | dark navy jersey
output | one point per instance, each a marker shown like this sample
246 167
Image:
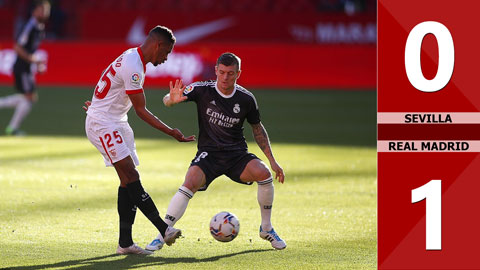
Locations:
221 117
29 38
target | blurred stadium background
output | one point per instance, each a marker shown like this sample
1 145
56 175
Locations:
310 44
310 63
285 45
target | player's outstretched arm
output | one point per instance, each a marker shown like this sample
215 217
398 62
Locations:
139 104
176 94
261 137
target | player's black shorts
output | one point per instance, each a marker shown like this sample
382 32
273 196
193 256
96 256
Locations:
217 163
24 80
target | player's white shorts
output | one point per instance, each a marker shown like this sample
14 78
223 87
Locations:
115 141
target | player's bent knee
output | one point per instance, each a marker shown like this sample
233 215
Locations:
255 171
264 175
193 185
195 179
126 170
261 172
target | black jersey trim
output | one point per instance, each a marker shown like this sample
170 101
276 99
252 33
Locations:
25 33
203 83
245 91
192 86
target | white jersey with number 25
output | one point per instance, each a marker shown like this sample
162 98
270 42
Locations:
123 77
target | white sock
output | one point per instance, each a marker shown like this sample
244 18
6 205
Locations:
21 111
178 205
10 101
265 200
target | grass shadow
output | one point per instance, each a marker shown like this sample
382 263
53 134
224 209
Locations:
128 262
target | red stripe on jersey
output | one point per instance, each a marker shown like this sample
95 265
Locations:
143 59
135 91
104 148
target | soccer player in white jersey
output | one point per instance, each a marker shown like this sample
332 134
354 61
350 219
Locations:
222 108
120 87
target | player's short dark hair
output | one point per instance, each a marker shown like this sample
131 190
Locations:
229 59
37 3
164 33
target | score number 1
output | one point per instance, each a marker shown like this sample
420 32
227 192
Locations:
431 191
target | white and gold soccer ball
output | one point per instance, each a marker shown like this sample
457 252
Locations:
224 226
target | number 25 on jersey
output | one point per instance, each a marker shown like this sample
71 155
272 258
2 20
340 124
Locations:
101 92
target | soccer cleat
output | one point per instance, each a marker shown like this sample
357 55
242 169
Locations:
14 132
133 249
156 244
171 234
273 237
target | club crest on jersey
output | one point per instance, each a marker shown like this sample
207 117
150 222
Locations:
236 108
188 89
113 153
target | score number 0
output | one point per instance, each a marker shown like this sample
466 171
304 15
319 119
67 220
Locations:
431 191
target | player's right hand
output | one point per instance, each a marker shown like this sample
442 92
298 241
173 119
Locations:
87 104
37 59
41 67
177 134
176 92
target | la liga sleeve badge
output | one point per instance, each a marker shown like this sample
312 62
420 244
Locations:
188 90
135 79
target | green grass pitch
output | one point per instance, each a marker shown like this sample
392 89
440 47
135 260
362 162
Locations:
58 201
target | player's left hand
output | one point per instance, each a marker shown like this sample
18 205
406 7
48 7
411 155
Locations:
278 171
87 104
176 92
177 134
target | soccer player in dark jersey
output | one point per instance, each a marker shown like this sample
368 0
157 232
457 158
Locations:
222 108
26 44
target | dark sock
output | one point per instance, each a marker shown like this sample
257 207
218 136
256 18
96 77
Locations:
141 199
126 211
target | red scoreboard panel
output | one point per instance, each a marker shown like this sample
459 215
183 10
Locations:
428 134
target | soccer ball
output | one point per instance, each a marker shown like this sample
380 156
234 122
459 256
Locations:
224 226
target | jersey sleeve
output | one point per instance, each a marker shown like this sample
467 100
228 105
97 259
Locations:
133 77
190 92
22 37
253 115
